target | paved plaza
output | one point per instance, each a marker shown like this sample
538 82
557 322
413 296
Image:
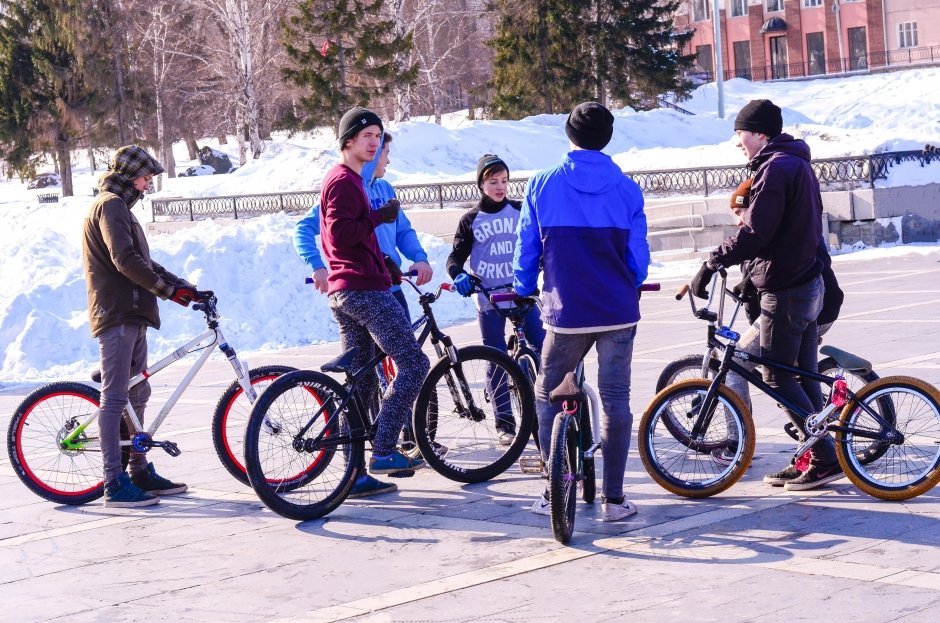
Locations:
441 551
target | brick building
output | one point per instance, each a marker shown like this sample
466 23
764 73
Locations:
771 39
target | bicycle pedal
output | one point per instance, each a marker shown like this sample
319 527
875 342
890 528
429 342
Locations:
171 448
405 473
531 464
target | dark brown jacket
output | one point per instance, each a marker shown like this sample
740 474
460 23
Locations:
123 282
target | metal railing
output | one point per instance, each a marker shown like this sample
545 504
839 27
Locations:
833 173
835 66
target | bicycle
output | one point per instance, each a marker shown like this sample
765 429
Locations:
887 434
306 436
576 433
53 439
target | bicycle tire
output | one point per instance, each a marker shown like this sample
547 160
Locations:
586 437
529 363
469 435
231 417
702 474
71 477
915 407
307 488
682 369
563 476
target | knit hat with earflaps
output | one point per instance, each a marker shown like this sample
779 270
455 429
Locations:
127 164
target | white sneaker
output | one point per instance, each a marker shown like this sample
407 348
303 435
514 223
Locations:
505 439
616 512
542 506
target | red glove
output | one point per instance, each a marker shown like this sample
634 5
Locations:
183 295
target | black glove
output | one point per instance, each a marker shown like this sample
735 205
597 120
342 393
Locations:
743 289
389 211
394 270
702 279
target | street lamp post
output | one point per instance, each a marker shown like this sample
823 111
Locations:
719 69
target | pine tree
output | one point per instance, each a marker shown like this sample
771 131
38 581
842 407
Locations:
541 60
342 54
638 51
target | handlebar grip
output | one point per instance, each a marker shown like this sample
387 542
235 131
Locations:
682 292
650 287
505 297
202 295
448 287
410 273
308 280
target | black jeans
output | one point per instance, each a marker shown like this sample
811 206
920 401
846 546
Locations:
789 335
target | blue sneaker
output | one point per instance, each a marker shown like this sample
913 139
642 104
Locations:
367 486
152 482
394 463
122 493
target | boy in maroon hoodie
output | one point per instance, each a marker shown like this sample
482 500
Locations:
358 287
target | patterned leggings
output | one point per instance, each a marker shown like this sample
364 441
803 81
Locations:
370 317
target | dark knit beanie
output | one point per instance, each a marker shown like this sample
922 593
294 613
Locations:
487 163
590 126
761 116
741 197
355 121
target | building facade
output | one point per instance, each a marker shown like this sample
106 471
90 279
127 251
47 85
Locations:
775 39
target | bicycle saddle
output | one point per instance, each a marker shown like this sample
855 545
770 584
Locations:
568 389
847 360
341 364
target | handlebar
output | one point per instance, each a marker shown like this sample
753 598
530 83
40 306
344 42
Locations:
410 273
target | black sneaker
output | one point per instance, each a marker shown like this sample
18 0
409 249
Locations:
152 482
815 476
781 478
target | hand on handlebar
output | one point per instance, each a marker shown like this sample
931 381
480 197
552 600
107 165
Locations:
702 279
465 284
423 271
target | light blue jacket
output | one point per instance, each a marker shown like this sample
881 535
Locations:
583 224
392 237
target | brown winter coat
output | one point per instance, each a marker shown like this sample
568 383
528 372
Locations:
123 282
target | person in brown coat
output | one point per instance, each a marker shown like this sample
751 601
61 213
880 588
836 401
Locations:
123 286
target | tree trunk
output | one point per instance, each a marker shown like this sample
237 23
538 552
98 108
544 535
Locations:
65 166
119 45
223 138
91 159
191 146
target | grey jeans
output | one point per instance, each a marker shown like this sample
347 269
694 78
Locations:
561 353
123 355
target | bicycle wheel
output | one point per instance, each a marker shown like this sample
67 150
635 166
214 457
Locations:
586 436
308 476
231 418
529 363
70 476
563 476
855 381
681 369
910 464
679 423
682 466
463 407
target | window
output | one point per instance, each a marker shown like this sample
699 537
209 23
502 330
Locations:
701 10
742 59
816 53
738 8
774 5
907 35
703 56
812 3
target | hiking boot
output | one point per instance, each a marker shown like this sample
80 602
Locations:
395 463
785 475
815 476
152 482
122 493
542 506
367 486
615 511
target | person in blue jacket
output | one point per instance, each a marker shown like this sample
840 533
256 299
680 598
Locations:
582 225
395 239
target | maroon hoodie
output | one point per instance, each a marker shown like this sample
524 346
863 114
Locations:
348 227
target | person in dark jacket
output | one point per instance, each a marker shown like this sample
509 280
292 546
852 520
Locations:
780 239
123 286
486 238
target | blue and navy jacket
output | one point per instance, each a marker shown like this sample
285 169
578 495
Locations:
392 237
582 223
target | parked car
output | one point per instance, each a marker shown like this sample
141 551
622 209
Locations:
45 180
202 169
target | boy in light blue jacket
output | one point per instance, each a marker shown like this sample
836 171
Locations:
583 225
395 239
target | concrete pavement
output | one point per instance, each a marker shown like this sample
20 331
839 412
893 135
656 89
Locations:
441 551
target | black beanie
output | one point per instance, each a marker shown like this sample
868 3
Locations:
762 116
590 126
486 163
354 121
